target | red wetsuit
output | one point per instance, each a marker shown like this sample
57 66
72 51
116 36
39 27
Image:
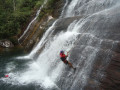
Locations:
63 58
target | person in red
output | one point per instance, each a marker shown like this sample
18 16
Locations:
6 76
63 58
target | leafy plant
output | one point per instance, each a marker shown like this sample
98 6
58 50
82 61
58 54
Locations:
14 15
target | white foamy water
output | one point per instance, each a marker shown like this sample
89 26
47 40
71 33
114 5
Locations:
10 66
71 7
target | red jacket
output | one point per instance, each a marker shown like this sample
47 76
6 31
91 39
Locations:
62 55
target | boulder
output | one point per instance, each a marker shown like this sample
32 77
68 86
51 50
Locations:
6 43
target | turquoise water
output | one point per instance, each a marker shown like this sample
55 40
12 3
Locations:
8 56
9 63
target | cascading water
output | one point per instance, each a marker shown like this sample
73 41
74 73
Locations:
87 39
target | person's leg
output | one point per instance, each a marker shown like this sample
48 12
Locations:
70 65
67 62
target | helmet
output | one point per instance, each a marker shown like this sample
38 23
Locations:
61 51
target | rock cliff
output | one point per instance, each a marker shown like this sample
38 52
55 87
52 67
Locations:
38 27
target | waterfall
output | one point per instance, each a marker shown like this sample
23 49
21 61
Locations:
87 38
43 40
64 8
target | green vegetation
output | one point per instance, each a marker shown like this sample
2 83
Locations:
48 9
14 15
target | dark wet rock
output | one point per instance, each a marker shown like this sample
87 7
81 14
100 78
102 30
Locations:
63 23
6 43
58 8
112 79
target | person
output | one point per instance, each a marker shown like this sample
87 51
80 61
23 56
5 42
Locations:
63 58
6 76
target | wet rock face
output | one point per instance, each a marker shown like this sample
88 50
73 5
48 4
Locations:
6 43
106 68
112 79
63 23
103 36
58 8
96 53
